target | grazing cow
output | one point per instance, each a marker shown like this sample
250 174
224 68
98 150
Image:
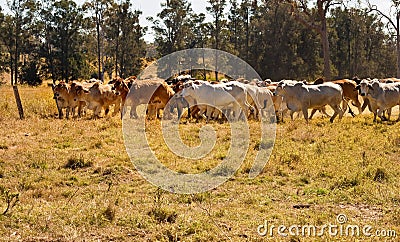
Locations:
98 97
65 100
301 97
156 93
179 102
382 97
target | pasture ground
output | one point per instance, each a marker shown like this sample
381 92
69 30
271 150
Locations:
73 180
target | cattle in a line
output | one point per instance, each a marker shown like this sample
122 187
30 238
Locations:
96 96
301 97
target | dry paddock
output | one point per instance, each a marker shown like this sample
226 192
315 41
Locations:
72 180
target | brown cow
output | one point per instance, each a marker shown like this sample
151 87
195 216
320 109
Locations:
98 97
65 100
140 93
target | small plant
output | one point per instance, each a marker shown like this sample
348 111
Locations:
264 145
109 213
10 198
380 175
77 162
159 213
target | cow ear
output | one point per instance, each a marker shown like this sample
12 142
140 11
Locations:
358 87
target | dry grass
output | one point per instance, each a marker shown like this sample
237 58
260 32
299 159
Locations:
74 180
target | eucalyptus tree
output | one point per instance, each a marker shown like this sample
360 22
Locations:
216 8
124 35
177 28
97 9
316 19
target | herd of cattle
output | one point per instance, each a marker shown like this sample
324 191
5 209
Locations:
232 100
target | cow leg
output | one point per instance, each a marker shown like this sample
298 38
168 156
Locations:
97 111
389 113
60 113
380 114
209 113
357 103
67 110
292 115
366 104
338 111
398 119
133 113
305 114
312 113
123 111
323 110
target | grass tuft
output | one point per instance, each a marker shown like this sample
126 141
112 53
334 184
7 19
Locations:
77 163
380 175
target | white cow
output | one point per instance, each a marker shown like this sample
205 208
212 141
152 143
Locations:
382 96
220 96
301 97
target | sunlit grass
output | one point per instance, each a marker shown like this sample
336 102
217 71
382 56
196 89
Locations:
75 179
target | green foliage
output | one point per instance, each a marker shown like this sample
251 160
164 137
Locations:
30 74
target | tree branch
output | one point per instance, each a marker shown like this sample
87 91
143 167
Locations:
374 8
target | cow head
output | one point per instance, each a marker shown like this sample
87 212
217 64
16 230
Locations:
60 90
279 90
80 92
188 90
364 87
119 86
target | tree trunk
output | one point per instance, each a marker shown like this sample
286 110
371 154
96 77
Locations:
19 103
326 52
325 41
398 44
98 49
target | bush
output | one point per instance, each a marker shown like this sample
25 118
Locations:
30 74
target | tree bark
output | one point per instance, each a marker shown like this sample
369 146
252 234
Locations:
19 103
326 51
398 43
